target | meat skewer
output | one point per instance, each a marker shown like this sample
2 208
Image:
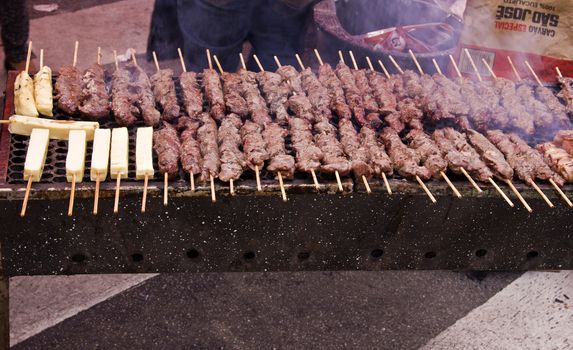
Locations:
561 162
191 159
308 156
68 86
163 89
229 138
95 98
431 150
207 137
280 161
490 179
253 143
213 90
326 139
167 146
192 95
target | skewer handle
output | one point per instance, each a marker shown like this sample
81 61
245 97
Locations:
117 188
473 64
76 46
282 186
438 69
26 196
314 179
231 187
165 188
258 177
514 69
519 196
454 189
96 195
561 193
181 59
340 188
29 56
72 196
243 64
258 63
318 57
366 184
456 68
144 199
299 61
540 192
534 74
500 191
213 194
209 62
423 185
369 63
386 73
386 183
395 64
416 62
192 179
471 180
155 61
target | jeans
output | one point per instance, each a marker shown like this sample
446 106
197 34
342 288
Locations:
272 27
15 27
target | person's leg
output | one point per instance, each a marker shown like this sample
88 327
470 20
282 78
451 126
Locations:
218 25
278 29
164 34
15 30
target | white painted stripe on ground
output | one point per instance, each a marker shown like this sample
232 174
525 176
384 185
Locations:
40 302
533 312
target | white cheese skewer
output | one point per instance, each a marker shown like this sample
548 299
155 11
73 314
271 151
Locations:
144 159
119 160
75 162
35 160
100 161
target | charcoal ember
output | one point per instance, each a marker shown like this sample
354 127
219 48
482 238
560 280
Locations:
214 93
233 161
208 145
95 98
167 146
163 88
68 89
192 96
254 145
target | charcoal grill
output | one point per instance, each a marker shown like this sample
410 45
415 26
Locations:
257 231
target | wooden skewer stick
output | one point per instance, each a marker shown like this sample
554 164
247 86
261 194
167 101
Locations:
341 56
318 57
26 197
514 69
231 187
115 59
218 64
277 61
438 69
416 62
98 60
457 69
299 61
41 58
72 196
75 61
133 58
243 64
29 56
558 72
258 178
165 188
213 194
471 180
192 179
500 191
96 194
565 198
314 179
386 183
423 185
519 196
395 64
258 63
540 192
181 59
209 62
473 64
281 184
353 60
156 61
337 175
369 63
117 188
366 184
384 69
534 74
489 68
456 192
144 199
